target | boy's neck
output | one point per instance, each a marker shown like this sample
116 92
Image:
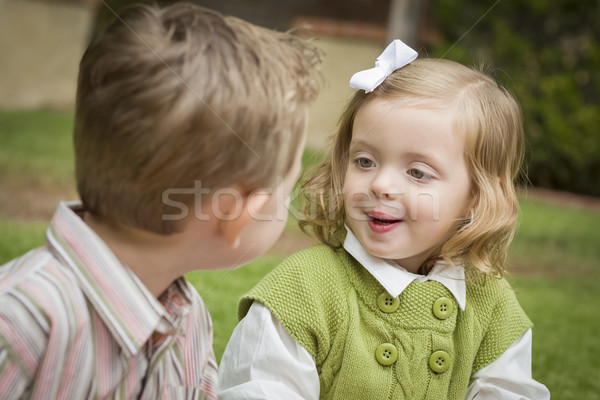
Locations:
152 257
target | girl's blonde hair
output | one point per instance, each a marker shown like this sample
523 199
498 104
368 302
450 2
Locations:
490 119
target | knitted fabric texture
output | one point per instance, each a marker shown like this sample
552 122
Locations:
327 302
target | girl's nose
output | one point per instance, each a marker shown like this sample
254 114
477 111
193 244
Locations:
385 185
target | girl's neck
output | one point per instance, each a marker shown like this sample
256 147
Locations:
418 264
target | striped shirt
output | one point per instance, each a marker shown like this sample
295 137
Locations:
75 323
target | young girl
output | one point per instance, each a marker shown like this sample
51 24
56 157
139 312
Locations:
405 300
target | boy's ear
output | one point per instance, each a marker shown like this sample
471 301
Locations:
236 212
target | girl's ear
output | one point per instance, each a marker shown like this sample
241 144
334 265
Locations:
472 206
236 212
469 216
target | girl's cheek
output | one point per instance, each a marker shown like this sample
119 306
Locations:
425 206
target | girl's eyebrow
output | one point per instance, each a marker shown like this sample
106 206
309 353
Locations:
361 143
421 155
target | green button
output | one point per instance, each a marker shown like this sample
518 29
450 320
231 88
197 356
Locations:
443 307
387 303
439 361
386 354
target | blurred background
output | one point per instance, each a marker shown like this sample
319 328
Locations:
545 52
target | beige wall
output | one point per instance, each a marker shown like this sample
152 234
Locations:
41 44
40 47
343 57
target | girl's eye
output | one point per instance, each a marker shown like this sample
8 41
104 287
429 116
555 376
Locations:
418 174
364 162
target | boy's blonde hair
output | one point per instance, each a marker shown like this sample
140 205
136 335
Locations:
490 119
168 97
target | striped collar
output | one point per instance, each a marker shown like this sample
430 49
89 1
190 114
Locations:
395 279
125 305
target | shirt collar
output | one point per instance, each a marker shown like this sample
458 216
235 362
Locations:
122 301
395 279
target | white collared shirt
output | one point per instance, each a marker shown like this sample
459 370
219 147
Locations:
395 279
262 361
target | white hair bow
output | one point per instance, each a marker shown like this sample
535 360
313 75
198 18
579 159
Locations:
395 56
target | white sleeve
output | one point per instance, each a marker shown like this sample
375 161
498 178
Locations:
509 377
262 361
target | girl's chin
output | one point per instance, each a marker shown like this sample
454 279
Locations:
378 252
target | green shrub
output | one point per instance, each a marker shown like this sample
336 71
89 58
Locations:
548 55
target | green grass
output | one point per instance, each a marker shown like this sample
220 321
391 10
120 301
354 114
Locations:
555 254
221 291
311 157
557 238
37 144
566 317
19 237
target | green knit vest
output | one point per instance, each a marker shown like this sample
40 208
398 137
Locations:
328 303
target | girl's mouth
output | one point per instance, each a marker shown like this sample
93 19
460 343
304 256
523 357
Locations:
382 223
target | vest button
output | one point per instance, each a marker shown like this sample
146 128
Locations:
386 354
387 303
442 308
439 361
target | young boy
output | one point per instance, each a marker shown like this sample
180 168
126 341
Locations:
188 133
